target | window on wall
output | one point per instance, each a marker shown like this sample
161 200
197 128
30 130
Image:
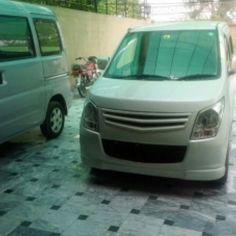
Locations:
48 36
15 39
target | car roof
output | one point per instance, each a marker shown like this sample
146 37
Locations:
18 8
183 25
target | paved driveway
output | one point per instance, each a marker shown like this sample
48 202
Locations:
45 191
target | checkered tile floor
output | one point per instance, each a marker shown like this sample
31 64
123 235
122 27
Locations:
44 191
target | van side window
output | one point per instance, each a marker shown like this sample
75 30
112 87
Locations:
15 39
48 36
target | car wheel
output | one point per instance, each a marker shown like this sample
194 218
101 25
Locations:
54 121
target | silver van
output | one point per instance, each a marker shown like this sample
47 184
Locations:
164 105
34 82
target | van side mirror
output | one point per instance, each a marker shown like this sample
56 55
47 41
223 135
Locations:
233 64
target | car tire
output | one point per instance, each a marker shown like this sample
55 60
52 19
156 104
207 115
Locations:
54 121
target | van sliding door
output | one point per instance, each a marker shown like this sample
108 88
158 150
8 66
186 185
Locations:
52 53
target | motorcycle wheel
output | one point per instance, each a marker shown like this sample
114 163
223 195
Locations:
82 90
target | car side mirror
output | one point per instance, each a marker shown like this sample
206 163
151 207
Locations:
233 65
102 62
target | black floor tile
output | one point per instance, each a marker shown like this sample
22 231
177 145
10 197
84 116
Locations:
79 194
30 199
106 202
9 191
232 202
2 213
207 234
26 223
56 186
34 180
135 211
168 222
55 207
220 217
14 174
113 228
77 176
185 207
83 217
55 234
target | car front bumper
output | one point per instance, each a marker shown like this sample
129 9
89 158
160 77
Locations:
203 159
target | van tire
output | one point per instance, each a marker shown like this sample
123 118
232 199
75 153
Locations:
54 121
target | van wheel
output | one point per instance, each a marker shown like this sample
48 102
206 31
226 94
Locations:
54 121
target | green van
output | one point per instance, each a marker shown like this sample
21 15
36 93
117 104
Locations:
34 79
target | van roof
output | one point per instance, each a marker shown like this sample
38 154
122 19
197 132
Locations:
183 25
19 8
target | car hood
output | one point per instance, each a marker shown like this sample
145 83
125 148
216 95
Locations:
156 96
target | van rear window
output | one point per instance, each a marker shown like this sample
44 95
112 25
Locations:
48 36
15 38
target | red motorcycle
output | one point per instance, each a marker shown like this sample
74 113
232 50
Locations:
85 73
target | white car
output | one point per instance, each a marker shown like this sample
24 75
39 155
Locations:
164 105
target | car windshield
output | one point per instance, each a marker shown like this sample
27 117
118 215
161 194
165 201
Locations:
167 55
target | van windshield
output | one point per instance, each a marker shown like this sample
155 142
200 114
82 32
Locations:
167 55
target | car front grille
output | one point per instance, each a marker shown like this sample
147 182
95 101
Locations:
146 153
143 121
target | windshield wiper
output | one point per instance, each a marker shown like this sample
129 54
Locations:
140 77
152 77
196 76
162 77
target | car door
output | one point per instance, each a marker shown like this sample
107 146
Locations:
21 77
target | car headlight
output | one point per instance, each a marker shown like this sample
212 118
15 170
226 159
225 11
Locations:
208 121
90 116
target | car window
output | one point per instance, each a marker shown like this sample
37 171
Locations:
48 36
15 38
170 54
126 58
